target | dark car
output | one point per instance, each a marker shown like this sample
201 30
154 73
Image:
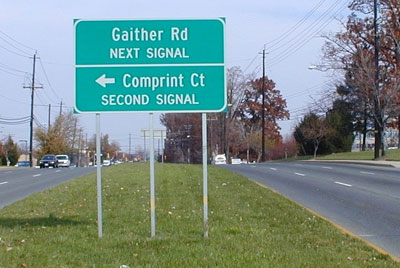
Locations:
48 160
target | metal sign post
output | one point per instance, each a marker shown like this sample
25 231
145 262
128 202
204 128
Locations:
144 148
152 184
162 148
98 167
205 179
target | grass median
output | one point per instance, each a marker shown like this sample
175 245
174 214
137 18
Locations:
391 155
250 226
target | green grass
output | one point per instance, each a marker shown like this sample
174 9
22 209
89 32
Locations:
391 155
250 226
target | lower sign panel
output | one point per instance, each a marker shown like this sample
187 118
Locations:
172 88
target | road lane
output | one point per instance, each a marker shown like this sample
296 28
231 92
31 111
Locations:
364 203
23 182
383 180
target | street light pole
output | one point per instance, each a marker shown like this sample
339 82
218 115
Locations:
263 112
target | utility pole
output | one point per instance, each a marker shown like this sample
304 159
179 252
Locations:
263 111
32 87
79 148
61 107
48 128
377 121
129 156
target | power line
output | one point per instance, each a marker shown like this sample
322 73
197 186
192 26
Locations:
48 81
252 61
277 40
307 90
43 94
306 35
13 52
11 73
39 96
36 105
19 43
17 48
8 67
14 121
303 33
37 122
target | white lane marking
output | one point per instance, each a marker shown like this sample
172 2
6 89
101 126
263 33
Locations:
58 171
367 235
252 166
327 167
273 168
37 175
300 174
369 173
344 184
4 182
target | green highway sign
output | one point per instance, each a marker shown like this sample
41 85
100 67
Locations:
150 65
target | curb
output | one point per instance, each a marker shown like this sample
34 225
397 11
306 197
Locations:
360 162
6 168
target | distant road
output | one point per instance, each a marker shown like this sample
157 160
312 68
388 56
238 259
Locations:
363 199
18 183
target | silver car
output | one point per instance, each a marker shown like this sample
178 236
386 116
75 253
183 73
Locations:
63 160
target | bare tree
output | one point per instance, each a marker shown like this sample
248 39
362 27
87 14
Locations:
354 51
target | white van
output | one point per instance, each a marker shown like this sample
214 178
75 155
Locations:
219 159
63 160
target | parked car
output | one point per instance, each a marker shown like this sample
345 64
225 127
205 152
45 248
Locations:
23 164
219 159
48 160
63 160
106 162
236 161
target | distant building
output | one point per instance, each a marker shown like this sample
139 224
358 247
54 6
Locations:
391 139
24 157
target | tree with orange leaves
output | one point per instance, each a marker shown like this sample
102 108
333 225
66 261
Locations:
250 112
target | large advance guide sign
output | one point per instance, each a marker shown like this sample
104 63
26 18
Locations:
150 65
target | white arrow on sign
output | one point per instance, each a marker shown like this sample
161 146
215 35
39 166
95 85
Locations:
103 81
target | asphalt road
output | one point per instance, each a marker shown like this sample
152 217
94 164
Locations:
18 183
362 199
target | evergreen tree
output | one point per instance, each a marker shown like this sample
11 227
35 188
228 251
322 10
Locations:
340 120
9 152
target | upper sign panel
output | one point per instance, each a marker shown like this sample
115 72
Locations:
149 41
